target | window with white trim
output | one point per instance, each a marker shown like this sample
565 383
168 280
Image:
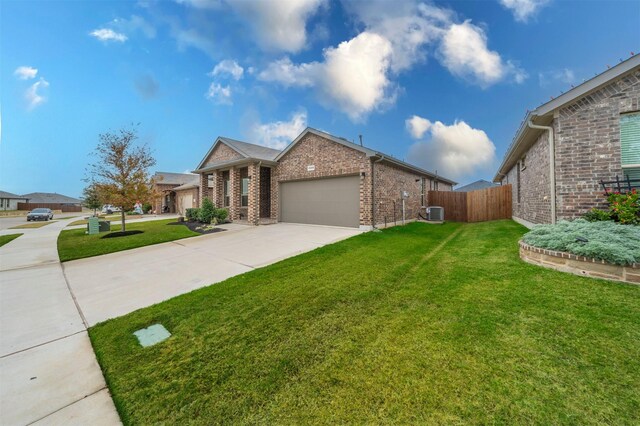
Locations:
630 144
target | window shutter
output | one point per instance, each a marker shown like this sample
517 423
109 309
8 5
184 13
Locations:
630 140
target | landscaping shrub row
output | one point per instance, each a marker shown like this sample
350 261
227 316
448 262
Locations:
208 213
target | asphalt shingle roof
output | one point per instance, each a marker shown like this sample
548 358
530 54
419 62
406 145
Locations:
5 194
48 197
250 150
474 186
168 178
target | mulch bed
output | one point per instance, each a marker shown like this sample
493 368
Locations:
122 234
194 225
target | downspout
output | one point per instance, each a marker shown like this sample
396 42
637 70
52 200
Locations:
552 165
373 191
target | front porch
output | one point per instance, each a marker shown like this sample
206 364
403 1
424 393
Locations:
243 189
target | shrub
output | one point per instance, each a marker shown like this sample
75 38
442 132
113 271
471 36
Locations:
207 211
221 215
146 208
606 240
596 215
625 208
192 214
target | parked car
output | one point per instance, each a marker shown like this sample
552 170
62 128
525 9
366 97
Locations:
40 214
108 209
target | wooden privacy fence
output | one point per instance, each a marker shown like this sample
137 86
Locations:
53 206
475 206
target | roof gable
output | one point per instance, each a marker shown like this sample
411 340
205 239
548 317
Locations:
328 136
217 142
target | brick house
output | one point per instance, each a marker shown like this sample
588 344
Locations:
177 192
319 179
566 147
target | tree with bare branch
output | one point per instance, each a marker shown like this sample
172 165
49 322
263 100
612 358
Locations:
121 170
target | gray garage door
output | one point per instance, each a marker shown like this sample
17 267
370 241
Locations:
331 201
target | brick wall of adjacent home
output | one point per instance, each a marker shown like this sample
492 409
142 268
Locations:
587 137
531 200
330 159
389 183
588 144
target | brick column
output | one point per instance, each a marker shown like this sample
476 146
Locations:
234 196
219 189
253 211
275 203
204 188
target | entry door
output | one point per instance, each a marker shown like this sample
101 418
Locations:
329 201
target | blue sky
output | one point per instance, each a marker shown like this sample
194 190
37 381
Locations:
440 84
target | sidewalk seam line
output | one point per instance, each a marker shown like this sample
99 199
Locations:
42 344
68 405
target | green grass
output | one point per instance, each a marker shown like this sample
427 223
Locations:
4 239
75 244
420 324
111 218
30 225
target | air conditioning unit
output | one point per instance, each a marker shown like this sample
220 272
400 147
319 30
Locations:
435 213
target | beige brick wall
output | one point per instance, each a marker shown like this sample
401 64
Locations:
390 181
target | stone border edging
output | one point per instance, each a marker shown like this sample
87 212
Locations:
579 265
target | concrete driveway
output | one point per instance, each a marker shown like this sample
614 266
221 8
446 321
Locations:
115 284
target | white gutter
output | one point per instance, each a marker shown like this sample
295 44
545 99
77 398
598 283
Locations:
552 165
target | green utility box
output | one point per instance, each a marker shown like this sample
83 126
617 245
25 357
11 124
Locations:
93 226
105 226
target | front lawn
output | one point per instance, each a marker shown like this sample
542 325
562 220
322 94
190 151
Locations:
420 324
75 244
4 239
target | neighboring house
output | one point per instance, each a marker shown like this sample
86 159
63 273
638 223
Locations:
9 201
178 192
566 147
474 186
317 179
53 201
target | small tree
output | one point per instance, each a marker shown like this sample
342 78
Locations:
121 170
91 197
207 211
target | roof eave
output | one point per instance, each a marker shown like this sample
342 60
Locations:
235 163
413 168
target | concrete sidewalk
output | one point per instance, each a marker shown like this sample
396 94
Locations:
48 371
125 281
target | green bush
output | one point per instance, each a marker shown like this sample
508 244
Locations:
221 215
625 208
606 240
596 215
207 211
146 208
192 214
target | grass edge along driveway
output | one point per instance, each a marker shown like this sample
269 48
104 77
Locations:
5 239
76 244
382 328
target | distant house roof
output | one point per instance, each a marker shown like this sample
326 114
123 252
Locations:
525 136
5 194
168 178
474 186
50 198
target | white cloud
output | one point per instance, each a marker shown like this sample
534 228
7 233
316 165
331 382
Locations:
107 34
34 95
455 150
202 4
465 53
563 76
353 75
133 24
524 9
228 67
278 134
219 94
25 73
417 126
279 25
